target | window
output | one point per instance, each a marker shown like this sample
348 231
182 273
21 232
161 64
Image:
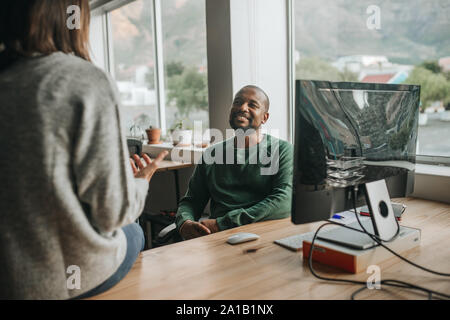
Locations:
382 41
157 54
185 61
133 63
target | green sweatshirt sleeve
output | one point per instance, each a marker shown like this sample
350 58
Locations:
276 205
193 203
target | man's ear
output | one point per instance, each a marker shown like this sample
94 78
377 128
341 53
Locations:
266 117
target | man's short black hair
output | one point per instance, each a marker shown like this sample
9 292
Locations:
266 102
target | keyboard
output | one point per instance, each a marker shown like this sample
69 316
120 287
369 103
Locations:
295 242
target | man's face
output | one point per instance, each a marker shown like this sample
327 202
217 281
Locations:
248 110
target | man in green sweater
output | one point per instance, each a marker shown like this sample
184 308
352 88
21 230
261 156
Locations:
248 178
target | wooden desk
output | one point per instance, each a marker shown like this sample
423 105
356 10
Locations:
209 268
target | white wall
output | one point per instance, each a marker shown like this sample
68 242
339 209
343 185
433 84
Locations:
260 54
432 183
432 187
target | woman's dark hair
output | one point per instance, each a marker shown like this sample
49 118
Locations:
28 27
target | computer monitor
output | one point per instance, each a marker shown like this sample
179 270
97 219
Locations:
350 134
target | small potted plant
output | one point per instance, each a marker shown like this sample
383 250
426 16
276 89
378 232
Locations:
181 133
154 135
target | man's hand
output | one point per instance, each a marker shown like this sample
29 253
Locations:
191 229
146 171
211 224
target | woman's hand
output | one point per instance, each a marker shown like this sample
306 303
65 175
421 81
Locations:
146 171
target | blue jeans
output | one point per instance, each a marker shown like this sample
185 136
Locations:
135 244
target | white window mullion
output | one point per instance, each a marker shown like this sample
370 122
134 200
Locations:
159 64
291 67
109 44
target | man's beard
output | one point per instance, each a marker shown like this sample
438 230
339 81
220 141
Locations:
236 127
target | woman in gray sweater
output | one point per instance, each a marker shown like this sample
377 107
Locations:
68 195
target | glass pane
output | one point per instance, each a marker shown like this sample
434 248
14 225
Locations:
133 62
185 62
395 42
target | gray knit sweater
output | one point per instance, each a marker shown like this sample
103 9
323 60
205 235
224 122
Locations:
66 185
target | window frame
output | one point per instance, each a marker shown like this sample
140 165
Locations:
433 160
104 9
420 159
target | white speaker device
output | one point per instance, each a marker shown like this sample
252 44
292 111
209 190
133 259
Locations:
381 211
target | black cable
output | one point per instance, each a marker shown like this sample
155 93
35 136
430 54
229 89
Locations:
379 241
400 284
388 282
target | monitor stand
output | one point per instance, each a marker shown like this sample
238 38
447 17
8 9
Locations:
382 222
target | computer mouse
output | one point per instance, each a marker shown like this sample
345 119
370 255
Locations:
242 237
